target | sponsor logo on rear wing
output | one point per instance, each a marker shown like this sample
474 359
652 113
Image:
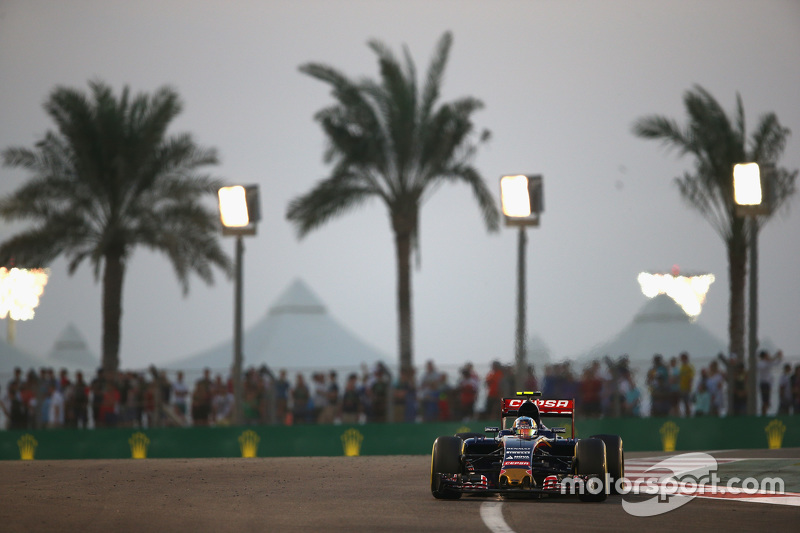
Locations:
546 407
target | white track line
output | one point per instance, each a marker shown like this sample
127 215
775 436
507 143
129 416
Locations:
492 516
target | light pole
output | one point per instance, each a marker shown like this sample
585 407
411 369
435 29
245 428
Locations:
749 188
239 211
522 200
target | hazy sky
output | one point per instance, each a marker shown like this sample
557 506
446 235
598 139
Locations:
562 82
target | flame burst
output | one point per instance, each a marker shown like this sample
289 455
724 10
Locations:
20 290
688 291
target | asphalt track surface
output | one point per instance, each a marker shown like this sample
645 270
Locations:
328 494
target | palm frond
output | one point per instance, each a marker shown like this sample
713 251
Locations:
666 130
435 76
328 199
769 139
386 139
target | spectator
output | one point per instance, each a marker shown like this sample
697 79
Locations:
401 391
685 383
14 406
329 413
796 389
17 379
165 387
202 399
702 400
467 387
5 404
569 383
301 401
124 385
28 392
365 394
68 392
222 401
55 417
43 398
133 402
80 402
379 394
590 387
531 383
267 387
785 390
715 383
97 387
410 412
658 383
282 388
319 395
730 368
630 394
429 387
350 408
253 400
109 406
674 386
180 396
765 365
445 412
494 380
609 377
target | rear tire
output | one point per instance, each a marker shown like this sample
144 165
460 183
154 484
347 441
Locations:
445 459
590 464
615 459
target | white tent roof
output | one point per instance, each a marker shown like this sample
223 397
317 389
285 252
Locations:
71 351
296 332
660 326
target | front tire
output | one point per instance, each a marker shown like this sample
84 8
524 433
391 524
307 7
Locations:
445 459
590 464
615 460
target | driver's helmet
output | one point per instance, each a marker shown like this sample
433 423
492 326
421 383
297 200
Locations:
525 426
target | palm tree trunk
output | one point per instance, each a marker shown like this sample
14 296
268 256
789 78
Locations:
112 311
403 228
737 265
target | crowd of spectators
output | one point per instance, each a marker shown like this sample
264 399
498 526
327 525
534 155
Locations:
721 388
602 388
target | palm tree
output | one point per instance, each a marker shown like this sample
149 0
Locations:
717 142
389 140
110 179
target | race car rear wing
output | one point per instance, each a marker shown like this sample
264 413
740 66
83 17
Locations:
547 408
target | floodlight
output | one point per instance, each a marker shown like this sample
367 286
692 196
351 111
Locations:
522 199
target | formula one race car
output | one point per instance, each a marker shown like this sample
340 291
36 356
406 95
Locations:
525 457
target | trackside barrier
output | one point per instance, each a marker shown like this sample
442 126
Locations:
641 434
